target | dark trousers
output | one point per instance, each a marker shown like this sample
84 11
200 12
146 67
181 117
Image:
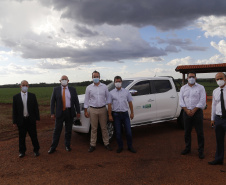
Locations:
29 127
119 119
66 117
220 128
197 121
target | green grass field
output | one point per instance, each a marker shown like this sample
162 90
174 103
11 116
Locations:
43 94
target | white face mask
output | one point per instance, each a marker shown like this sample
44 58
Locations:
118 84
24 88
220 83
63 82
191 80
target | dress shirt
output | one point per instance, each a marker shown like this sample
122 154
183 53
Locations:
67 96
191 97
119 99
216 102
22 96
96 96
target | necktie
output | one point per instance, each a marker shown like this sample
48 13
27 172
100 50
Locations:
222 105
25 104
63 99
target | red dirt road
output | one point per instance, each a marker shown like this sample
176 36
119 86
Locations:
157 161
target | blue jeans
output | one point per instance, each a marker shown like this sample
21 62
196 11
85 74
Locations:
119 119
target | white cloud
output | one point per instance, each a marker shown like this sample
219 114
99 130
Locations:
213 26
2 58
19 69
221 46
216 59
150 59
181 61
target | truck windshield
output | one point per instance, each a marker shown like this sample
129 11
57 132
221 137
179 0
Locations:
125 83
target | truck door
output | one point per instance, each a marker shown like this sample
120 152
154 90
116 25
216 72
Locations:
144 103
166 99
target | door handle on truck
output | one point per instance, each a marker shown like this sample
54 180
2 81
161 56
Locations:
150 100
173 97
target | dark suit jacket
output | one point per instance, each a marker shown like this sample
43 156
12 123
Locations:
56 102
18 107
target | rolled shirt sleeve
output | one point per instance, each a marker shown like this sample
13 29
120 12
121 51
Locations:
202 101
181 100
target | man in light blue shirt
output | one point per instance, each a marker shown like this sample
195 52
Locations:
118 112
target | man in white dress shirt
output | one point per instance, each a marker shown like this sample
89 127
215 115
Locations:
192 101
96 99
218 117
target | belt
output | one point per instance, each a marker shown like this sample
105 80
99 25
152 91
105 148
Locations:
68 108
120 112
98 107
26 117
220 116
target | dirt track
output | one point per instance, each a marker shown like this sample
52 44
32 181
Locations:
157 161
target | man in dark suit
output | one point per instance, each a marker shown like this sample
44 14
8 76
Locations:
64 102
25 114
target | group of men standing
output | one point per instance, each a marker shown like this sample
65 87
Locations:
65 106
193 101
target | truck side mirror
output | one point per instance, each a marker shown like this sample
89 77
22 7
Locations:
133 92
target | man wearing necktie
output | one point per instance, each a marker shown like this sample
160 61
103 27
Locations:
64 106
25 114
218 117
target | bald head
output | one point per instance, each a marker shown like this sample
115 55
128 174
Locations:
220 76
64 80
220 79
24 86
64 77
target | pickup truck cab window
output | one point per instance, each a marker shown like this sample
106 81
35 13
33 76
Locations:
162 86
141 88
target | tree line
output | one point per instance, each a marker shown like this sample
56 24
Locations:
43 84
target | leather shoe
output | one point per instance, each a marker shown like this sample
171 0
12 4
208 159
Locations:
37 154
132 150
119 150
68 148
201 155
185 152
108 147
21 155
215 162
51 150
91 149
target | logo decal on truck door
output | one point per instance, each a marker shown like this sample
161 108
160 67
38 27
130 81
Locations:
147 106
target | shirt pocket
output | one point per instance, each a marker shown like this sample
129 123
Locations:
186 94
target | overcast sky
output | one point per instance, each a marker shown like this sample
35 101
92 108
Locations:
41 40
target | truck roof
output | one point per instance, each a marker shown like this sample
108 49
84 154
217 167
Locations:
148 78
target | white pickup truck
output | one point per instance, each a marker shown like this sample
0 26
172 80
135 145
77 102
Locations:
155 100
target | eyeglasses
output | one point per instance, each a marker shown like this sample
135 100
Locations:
191 76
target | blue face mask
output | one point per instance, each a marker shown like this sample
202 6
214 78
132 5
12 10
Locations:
24 88
96 80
